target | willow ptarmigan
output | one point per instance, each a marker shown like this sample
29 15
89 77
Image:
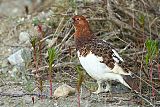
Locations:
98 58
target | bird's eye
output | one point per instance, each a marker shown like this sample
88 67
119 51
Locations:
77 18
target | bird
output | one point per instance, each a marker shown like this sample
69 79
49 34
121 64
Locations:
99 59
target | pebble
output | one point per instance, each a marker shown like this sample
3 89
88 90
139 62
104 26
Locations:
24 37
16 58
63 91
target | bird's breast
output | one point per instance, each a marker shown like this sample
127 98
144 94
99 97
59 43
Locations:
93 65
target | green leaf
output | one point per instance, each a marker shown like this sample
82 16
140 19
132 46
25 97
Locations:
147 58
33 41
141 19
80 78
35 21
52 55
152 49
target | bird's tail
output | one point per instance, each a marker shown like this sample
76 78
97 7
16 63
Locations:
132 81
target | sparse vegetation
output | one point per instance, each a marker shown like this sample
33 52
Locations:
133 27
51 54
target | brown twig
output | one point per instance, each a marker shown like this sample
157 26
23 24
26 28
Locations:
21 95
55 66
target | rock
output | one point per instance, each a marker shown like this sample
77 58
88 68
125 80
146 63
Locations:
63 91
24 37
13 71
16 58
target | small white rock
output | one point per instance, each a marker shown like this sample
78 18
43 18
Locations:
16 58
24 36
63 91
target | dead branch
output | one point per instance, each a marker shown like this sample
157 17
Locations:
24 94
59 65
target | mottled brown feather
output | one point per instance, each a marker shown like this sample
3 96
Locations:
100 49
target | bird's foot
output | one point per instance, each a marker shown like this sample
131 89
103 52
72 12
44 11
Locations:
107 89
100 91
97 92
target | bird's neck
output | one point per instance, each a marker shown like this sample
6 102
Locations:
82 31
82 36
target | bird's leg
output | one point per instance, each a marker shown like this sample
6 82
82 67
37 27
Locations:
107 87
100 88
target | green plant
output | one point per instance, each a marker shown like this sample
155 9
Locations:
51 57
152 52
37 54
33 41
141 19
40 43
79 82
35 21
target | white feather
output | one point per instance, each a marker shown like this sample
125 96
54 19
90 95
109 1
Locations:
98 70
117 56
117 69
92 65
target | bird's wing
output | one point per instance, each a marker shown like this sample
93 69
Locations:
109 56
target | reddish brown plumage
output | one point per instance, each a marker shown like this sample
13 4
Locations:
82 27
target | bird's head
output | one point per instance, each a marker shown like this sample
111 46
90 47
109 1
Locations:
80 22
81 26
